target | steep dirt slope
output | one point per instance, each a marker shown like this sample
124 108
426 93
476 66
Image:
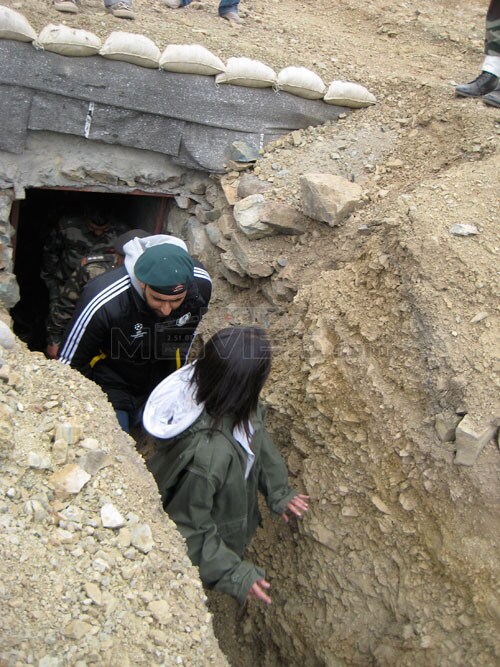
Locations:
92 572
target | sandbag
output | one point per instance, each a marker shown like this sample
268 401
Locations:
190 59
131 48
302 82
348 94
14 25
68 41
247 72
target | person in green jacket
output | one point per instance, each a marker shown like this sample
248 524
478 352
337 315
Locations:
213 455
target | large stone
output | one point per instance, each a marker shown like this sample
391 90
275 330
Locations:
183 201
249 259
94 461
230 189
242 152
7 338
59 452
9 289
161 611
247 213
329 198
283 219
78 629
196 184
470 440
38 460
234 278
111 517
5 205
257 218
277 293
212 194
226 225
464 230
141 538
251 185
70 479
215 236
282 287
197 239
233 272
205 213
231 165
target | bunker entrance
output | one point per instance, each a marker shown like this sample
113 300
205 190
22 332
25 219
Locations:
37 217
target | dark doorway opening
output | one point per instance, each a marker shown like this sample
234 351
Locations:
34 218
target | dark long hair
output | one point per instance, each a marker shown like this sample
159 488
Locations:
230 373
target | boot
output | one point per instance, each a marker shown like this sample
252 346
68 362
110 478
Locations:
233 17
484 84
66 6
121 10
493 98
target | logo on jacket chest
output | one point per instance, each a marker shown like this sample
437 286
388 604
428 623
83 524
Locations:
140 332
183 320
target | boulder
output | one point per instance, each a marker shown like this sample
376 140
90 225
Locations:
197 240
247 213
232 271
283 219
257 217
250 261
471 438
251 185
329 198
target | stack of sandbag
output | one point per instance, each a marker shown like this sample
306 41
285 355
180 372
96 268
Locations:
186 59
67 41
348 94
247 72
131 48
14 25
302 82
191 59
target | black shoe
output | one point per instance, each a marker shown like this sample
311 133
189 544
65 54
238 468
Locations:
493 98
484 84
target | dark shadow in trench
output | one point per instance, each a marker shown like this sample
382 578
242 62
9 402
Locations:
34 217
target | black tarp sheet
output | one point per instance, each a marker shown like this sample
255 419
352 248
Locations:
185 116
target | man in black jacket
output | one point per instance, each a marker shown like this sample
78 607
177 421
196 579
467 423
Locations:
134 325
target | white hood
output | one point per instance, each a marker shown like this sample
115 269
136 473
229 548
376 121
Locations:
134 248
172 408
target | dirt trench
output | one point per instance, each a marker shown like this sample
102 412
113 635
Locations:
385 568
389 340
395 564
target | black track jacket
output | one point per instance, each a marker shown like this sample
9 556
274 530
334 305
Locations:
118 342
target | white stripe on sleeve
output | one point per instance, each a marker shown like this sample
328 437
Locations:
201 273
80 325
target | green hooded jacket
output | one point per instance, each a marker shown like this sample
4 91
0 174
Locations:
201 478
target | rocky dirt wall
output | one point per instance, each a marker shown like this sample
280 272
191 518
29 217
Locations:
92 572
397 562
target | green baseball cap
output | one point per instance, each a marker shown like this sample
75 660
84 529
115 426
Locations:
166 268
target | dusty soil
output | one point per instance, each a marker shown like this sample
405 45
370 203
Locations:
399 301
74 591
